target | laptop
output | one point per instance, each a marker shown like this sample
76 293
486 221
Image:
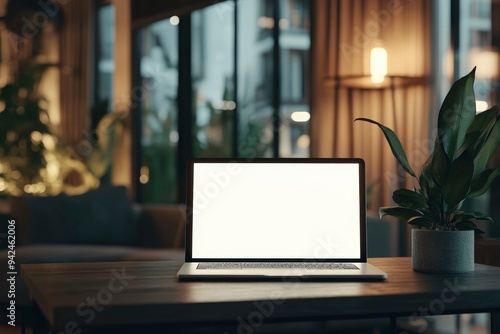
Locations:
276 218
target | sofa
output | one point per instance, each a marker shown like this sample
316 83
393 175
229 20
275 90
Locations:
99 226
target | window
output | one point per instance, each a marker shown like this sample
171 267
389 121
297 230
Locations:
294 58
476 41
104 69
158 68
246 76
105 34
212 61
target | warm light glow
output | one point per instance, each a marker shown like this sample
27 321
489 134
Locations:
49 142
38 188
303 141
265 22
36 137
43 104
174 20
487 62
144 177
378 65
23 93
481 106
2 106
11 136
44 118
41 188
300 116
52 170
283 23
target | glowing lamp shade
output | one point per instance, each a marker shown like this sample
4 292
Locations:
481 106
300 116
378 65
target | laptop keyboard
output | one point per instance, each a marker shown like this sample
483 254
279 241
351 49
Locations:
277 265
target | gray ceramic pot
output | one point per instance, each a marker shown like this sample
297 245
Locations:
442 251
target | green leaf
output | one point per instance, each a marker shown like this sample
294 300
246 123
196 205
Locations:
465 226
456 115
408 198
478 231
420 221
483 182
395 144
459 178
439 165
479 131
463 215
490 146
424 185
399 212
431 188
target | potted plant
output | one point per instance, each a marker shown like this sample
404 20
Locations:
457 169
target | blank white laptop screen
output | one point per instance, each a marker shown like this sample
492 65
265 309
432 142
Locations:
276 210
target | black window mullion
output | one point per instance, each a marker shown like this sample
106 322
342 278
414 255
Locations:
96 37
455 38
235 82
185 106
136 110
276 98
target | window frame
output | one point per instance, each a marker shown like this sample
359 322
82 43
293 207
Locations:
186 108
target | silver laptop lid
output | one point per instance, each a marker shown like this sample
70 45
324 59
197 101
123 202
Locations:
276 210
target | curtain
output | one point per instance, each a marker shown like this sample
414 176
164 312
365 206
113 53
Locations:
75 70
344 31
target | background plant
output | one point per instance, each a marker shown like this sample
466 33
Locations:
34 158
456 169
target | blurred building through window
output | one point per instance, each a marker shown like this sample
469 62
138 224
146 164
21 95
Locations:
105 66
159 74
232 67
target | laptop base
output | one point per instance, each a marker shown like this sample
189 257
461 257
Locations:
190 271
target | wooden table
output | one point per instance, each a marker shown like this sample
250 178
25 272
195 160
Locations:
123 294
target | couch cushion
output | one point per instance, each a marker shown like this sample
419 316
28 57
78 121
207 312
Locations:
101 216
162 225
91 253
